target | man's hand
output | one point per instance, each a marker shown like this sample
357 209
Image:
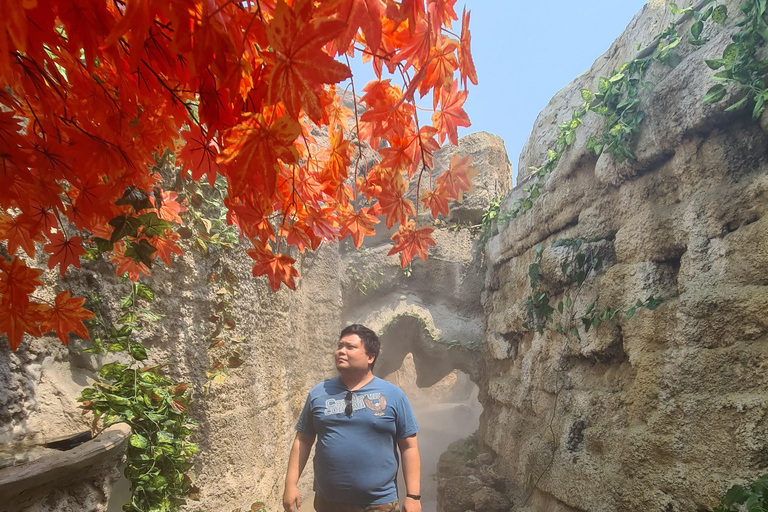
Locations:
411 505
292 500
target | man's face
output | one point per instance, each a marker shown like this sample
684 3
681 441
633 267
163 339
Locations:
350 354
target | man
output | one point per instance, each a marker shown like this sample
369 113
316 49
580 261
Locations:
359 421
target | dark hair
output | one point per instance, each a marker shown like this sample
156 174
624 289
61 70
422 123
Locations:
367 336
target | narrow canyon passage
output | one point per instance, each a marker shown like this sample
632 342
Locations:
446 412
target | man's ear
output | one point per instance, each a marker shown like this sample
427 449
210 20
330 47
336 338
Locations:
371 357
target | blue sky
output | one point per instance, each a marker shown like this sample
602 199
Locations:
524 53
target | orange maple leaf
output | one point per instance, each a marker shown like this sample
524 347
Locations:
17 320
436 200
466 64
277 267
356 14
254 147
166 246
64 252
199 155
17 281
410 242
126 263
392 202
67 316
458 178
298 62
451 114
20 232
357 224
169 208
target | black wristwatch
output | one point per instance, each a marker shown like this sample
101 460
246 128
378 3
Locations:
413 496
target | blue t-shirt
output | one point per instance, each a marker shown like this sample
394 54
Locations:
356 457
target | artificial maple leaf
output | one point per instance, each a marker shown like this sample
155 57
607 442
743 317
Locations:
440 67
17 281
356 14
451 114
277 267
17 320
254 147
392 202
357 224
466 64
410 242
166 245
436 200
296 233
19 232
126 263
458 178
169 208
298 63
338 157
199 155
442 13
67 315
64 251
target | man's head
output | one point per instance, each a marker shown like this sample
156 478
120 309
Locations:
358 348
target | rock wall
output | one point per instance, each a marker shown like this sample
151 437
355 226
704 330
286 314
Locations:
668 409
246 422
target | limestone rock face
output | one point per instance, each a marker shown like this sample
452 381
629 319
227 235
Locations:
668 409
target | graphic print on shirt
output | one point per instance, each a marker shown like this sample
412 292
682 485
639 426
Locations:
378 407
376 402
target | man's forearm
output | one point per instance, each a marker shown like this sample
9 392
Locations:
302 445
411 468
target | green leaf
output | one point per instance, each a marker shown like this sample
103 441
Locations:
127 318
164 437
137 351
112 371
124 226
102 244
697 28
731 52
139 441
587 323
715 63
140 252
154 225
145 292
743 101
150 315
720 14
117 346
126 302
630 312
575 333
560 307
590 307
615 78
603 84
564 268
714 94
587 95
697 42
134 197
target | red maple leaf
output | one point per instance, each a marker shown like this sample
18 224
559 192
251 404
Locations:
20 232
436 200
17 281
357 14
17 320
170 208
392 202
298 62
466 64
451 114
357 224
126 263
277 267
199 155
411 242
458 178
64 251
67 316
166 246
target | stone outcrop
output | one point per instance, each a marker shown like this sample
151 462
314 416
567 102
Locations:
666 410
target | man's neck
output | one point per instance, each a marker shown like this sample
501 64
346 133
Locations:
356 380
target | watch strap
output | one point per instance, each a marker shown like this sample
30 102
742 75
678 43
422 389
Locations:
413 496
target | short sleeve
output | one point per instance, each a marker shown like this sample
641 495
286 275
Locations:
406 421
305 425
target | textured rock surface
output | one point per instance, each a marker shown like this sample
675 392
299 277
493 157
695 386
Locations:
667 410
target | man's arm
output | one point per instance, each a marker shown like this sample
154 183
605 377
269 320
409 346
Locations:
409 452
296 462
